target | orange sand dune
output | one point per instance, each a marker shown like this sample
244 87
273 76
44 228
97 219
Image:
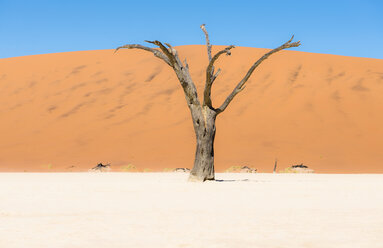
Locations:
69 111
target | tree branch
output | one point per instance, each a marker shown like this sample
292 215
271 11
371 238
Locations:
210 67
164 50
208 45
215 75
210 77
170 56
241 85
156 53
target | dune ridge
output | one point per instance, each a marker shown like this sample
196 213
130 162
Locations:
70 111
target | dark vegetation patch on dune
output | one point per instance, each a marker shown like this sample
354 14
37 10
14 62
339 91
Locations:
117 108
144 110
74 87
335 96
359 86
294 76
332 77
266 86
104 91
75 109
72 111
88 94
16 91
52 108
154 74
32 84
101 81
167 92
78 69
298 86
151 77
109 116
309 106
96 74
128 90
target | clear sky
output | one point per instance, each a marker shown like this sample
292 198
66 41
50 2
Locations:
352 28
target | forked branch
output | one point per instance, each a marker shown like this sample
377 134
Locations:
210 67
170 56
156 53
241 85
164 50
210 76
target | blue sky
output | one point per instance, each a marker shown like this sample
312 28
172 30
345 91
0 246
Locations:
351 28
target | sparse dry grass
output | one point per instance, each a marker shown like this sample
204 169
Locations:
47 166
128 168
288 170
234 168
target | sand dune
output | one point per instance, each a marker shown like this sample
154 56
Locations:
69 111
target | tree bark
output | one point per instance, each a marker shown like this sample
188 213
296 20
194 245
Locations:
204 127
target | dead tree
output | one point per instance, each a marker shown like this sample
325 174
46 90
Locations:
203 113
275 166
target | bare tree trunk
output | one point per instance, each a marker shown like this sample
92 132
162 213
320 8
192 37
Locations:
204 127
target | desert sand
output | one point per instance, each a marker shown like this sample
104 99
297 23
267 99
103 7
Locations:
119 210
70 111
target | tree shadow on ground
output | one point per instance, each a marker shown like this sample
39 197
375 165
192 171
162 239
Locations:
238 180
231 180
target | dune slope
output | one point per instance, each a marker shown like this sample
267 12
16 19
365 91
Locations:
69 111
